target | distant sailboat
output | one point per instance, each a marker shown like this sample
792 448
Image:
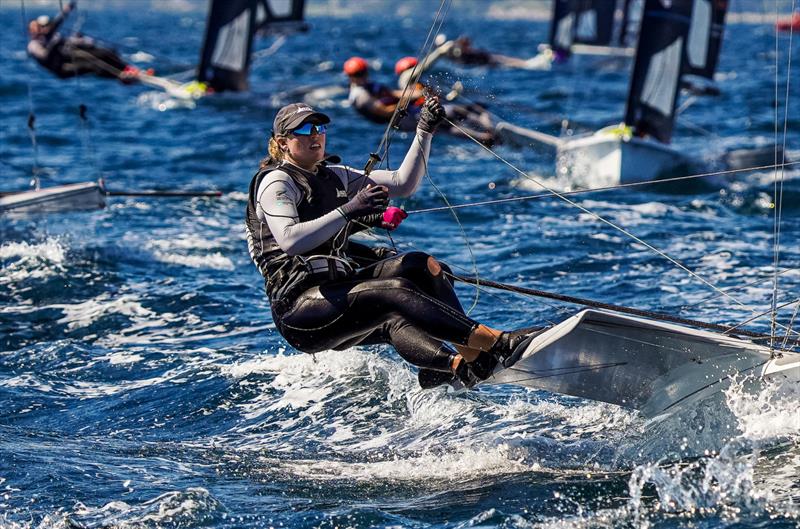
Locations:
588 27
678 39
226 52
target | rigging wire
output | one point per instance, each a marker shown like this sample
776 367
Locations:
399 112
611 224
739 287
600 218
86 135
599 189
790 325
778 185
405 96
31 111
464 236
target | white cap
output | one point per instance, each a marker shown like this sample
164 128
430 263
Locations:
43 20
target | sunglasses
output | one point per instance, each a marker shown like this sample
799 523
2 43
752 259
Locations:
308 129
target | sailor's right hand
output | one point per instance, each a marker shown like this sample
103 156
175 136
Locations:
371 199
431 115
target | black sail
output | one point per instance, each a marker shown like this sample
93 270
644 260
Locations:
657 68
705 37
280 16
225 59
562 25
594 22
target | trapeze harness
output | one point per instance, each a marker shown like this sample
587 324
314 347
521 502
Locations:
342 293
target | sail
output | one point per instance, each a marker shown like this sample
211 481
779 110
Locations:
280 16
658 66
629 25
561 25
705 37
594 22
225 58
582 22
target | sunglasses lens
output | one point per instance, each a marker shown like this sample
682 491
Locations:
308 129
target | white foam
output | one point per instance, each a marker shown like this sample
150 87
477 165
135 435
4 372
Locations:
184 241
172 509
80 315
467 463
214 261
725 481
31 260
123 358
50 250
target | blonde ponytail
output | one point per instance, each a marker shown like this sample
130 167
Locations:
275 154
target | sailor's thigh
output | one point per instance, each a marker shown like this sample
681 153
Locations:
404 265
314 309
323 318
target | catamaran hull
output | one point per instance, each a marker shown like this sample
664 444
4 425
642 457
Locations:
608 160
70 197
654 367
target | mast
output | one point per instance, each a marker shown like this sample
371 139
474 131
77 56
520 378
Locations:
657 69
225 56
705 38
623 28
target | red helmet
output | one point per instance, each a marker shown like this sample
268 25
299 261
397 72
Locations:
406 63
355 66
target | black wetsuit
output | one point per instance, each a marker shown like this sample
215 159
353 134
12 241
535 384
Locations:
339 294
68 57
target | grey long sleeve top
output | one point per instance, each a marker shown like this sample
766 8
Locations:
277 198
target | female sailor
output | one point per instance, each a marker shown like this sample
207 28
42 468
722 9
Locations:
327 292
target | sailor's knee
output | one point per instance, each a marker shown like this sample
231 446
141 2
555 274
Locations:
414 260
434 267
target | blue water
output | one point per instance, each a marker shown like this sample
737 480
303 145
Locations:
143 384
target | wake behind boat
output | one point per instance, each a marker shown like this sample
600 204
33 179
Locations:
654 367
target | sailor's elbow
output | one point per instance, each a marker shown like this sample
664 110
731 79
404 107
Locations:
290 244
405 190
292 248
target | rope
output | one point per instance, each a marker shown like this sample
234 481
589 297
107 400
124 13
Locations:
608 306
603 220
600 189
472 257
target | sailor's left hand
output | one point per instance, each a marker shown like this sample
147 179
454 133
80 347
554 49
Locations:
431 115
392 217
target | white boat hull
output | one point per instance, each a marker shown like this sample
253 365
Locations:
608 159
654 367
70 197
